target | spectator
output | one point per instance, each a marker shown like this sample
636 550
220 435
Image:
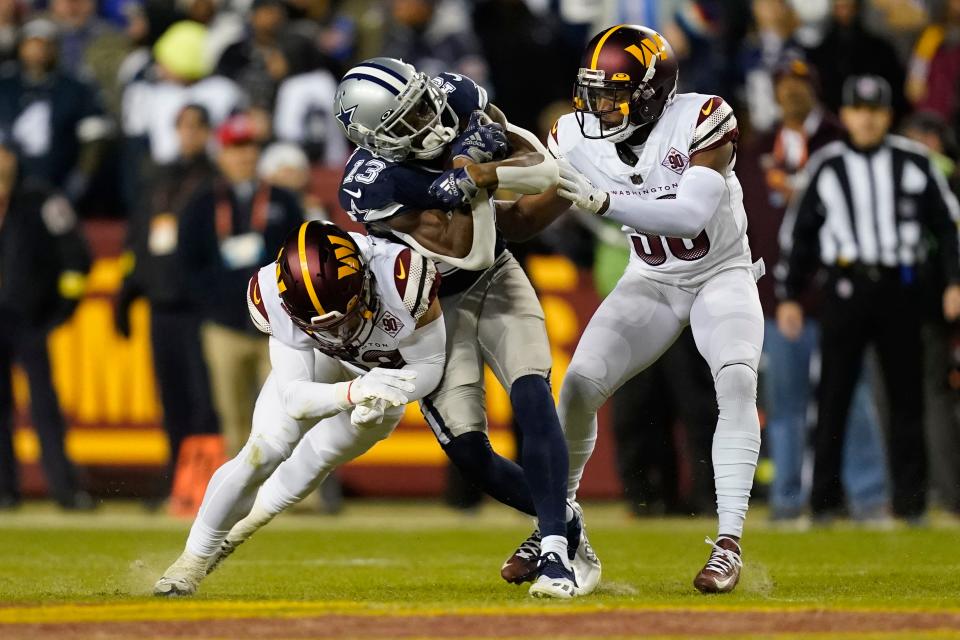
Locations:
862 217
11 14
227 230
80 29
942 425
935 65
224 24
304 115
806 127
849 49
159 276
269 53
285 165
769 44
151 103
434 36
43 267
56 119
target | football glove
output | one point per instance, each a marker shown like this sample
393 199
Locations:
575 187
389 385
453 189
481 140
368 414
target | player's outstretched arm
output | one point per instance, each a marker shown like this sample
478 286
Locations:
527 216
698 196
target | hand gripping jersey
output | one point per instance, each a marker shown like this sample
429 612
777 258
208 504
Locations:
692 123
374 189
405 284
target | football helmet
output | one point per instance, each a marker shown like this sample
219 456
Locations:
628 75
387 107
325 287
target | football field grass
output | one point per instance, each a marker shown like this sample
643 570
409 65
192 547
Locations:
389 569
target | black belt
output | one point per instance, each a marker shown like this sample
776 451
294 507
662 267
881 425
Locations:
876 273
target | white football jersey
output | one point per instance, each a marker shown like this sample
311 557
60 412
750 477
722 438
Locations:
690 124
404 282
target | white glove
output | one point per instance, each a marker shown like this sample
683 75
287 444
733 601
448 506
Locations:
389 385
575 187
368 414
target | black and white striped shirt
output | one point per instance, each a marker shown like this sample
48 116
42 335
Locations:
868 208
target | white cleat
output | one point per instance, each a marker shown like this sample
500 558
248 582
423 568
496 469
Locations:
182 577
586 564
227 547
555 579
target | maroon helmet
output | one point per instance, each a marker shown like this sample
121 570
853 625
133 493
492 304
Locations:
627 76
324 284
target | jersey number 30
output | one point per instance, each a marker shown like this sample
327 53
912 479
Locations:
650 249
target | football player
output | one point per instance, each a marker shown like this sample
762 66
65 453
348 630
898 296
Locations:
431 151
355 332
661 164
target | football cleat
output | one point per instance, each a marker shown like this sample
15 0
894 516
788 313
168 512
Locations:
523 565
227 547
182 577
555 580
722 571
586 564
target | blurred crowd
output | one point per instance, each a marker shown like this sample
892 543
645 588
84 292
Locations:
208 126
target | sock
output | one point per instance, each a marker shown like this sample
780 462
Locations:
580 398
557 545
736 445
500 478
203 541
230 494
544 456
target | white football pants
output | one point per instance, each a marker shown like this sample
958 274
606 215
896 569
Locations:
633 327
311 451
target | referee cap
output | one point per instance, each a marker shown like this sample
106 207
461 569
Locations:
867 91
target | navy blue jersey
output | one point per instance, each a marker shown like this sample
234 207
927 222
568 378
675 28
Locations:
374 188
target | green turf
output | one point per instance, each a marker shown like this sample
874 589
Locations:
411 556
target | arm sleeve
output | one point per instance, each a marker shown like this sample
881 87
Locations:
799 241
302 398
425 352
943 215
698 197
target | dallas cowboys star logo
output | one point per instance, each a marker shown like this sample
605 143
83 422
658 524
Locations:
345 116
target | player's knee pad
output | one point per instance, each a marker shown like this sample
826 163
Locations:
261 457
736 382
581 390
470 452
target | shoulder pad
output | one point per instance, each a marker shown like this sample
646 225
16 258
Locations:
716 125
416 280
563 135
463 94
258 312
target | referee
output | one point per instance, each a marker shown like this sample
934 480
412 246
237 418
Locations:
870 204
